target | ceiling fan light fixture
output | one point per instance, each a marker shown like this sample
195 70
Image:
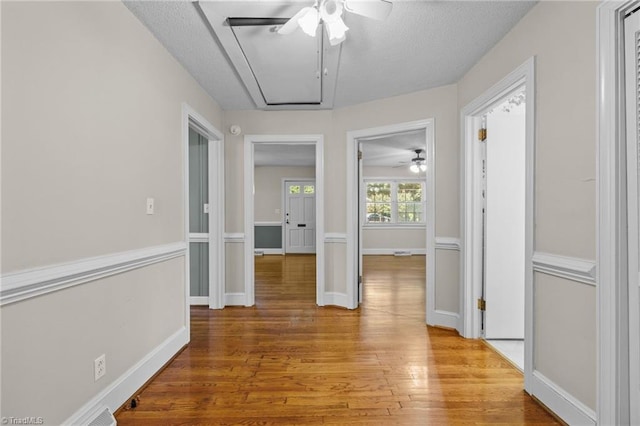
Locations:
423 167
336 31
414 168
309 21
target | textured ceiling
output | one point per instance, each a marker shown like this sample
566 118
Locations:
421 45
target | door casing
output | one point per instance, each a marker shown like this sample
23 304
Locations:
353 209
191 118
250 141
471 205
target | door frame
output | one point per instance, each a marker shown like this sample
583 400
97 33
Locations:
191 118
250 141
613 403
353 213
471 205
284 207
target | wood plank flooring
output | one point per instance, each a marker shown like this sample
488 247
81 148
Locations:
288 362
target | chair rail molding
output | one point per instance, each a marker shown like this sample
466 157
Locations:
22 285
570 268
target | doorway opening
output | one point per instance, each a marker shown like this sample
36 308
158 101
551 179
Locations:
203 151
502 143
497 216
391 208
284 207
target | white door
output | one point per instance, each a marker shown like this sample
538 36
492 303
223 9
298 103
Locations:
632 59
505 222
300 217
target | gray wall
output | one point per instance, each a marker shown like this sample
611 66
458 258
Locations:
91 127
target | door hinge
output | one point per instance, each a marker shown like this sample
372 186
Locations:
482 134
482 304
359 155
359 279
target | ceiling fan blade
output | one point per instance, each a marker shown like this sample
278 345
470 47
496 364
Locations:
374 9
292 24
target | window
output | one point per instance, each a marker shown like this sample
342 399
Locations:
394 201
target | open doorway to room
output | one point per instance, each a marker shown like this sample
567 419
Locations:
497 217
392 223
390 233
203 210
284 244
284 223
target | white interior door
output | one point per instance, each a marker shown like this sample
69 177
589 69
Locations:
504 263
300 217
632 59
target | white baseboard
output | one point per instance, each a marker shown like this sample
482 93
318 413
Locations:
391 251
199 300
564 405
268 251
444 319
335 299
118 392
234 299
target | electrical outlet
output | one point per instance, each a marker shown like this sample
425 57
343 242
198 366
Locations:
100 367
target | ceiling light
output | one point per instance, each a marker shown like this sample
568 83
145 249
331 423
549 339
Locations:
309 21
331 15
336 31
418 162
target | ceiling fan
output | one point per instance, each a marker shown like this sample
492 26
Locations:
330 13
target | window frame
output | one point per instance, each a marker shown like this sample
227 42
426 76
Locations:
394 183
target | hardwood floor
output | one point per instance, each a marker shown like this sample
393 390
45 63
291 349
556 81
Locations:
288 362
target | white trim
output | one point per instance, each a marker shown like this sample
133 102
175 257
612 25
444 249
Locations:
570 268
446 318
199 300
250 141
392 251
394 226
198 238
335 299
234 299
259 251
335 238
561 403
235 237
22 285
353 215
613 371
191 118
471 212
121 389
447 243
267 224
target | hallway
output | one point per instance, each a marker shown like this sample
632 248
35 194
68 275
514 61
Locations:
287 361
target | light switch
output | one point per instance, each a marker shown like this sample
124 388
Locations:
150 205
206 208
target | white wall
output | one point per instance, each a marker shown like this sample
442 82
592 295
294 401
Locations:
440 104
561 35
268 189
91 127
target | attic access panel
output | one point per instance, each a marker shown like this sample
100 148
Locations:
292 71
286 68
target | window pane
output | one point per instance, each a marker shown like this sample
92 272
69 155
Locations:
294 189
410 212
309 189
378 203
409 192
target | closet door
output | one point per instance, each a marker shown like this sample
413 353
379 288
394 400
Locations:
632 71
